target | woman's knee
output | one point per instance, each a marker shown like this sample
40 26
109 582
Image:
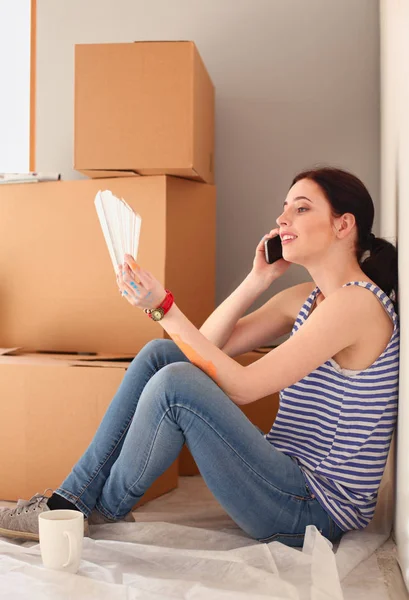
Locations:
180 383
162 387
158 345
183 373
160 352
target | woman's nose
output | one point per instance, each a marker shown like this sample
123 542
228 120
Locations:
282 219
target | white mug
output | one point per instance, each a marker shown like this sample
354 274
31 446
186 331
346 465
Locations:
61 537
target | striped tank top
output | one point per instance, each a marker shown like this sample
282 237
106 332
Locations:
338 424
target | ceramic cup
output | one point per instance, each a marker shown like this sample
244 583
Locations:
61 537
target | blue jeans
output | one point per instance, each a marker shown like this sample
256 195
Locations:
164 401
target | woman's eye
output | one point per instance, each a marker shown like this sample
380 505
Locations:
302 208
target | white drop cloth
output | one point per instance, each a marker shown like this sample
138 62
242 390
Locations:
161 561
184 545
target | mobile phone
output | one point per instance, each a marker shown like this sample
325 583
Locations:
273 249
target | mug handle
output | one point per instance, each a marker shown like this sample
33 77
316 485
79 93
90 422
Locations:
71 546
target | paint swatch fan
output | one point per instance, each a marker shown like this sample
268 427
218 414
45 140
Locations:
120 225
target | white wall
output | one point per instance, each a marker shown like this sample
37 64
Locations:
395 217
296 83
15 25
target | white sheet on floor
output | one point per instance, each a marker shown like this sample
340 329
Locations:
169 561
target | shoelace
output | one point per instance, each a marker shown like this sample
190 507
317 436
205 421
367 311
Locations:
29 505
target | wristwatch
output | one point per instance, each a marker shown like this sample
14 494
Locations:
156 314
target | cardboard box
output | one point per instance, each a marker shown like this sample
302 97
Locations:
144 107
262 413
58 288
50 410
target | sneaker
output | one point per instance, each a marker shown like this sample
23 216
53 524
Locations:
21 522
96 518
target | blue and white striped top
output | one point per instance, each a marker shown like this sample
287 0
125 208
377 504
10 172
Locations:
338 424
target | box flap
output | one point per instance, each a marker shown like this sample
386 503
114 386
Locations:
106 358
8 351
83 356
264 349
115 364
163 41
107 173
65 359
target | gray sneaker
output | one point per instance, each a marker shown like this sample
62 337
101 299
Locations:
21 522
96 518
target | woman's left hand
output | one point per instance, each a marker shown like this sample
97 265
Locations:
138 286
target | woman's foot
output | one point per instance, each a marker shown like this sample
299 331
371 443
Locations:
21 522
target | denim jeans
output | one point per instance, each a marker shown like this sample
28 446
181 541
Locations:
165 401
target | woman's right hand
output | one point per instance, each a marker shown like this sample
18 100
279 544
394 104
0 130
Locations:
261 269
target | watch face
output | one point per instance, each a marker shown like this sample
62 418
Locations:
157 314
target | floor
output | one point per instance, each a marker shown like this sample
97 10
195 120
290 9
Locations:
193 504
201 509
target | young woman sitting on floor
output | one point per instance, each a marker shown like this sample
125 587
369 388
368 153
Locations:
322 461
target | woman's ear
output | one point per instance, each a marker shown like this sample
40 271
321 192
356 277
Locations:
344 225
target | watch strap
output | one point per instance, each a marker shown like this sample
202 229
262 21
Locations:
165 305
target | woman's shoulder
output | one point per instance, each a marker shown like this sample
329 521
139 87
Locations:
299 293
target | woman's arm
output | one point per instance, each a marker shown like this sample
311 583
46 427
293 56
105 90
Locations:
141 289
336 324
220 324
225 371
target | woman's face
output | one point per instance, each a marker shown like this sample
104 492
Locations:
307 215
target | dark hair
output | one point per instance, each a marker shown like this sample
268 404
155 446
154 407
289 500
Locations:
347 194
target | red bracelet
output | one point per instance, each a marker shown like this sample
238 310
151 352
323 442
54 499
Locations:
156 314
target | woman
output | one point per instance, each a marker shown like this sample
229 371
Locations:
323 459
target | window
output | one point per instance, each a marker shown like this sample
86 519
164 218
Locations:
15 42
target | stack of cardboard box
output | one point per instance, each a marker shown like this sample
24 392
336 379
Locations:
144 129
